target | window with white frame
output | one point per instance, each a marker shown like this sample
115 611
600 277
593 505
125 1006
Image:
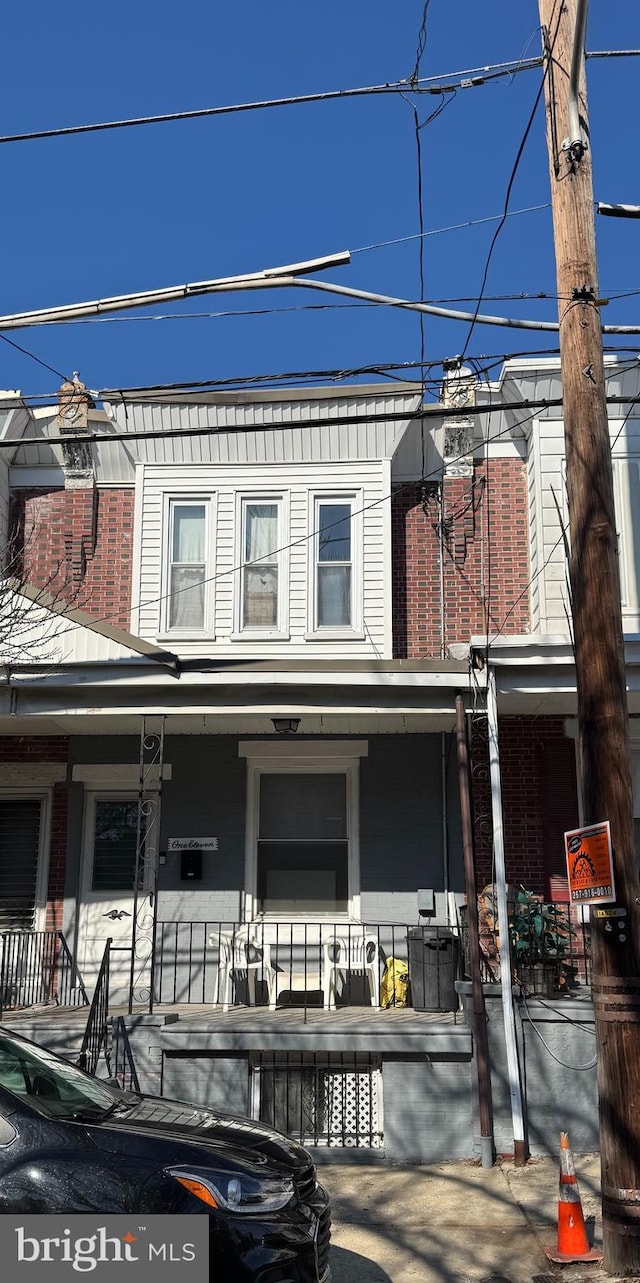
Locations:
188 564
261 565
303 842
334 564
22 824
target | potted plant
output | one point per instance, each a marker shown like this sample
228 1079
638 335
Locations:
539 935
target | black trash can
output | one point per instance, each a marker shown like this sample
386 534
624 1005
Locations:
433 968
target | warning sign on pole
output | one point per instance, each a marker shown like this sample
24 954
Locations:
590 864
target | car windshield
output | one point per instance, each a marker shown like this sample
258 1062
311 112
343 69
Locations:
53 1086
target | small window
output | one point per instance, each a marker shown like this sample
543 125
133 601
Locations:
20 823
187 565
261 570
303 846
334 565
114 845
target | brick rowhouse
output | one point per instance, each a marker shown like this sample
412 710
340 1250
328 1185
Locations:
77 545
485 552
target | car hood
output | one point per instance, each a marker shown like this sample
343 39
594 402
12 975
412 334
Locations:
141 1128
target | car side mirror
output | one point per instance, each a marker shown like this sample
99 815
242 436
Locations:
7 1132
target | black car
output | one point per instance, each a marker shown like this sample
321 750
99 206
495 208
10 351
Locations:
73 1143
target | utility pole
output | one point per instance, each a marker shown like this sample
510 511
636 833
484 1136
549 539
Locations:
597 623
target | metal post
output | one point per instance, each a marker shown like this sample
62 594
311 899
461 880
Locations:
508 1010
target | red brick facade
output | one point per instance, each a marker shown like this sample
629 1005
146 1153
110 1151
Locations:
38 749
539 802
86 557
485 559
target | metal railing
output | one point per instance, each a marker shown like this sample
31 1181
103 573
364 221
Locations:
298 963
121 1061
37 969
94 1041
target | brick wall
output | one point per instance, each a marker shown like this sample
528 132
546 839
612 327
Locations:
78 545
533 825
41 748
486 559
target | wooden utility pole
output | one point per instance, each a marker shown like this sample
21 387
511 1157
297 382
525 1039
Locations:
597 623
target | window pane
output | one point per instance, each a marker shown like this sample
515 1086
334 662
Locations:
261 532
187 597
115 840
334 532
334 596
303 806
297 877
19 842
188 532
260 603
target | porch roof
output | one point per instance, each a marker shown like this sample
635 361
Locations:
330 696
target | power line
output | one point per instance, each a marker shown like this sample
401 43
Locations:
468 79
453 227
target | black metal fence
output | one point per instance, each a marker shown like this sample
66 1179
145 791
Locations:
95 1035
36 968
326 965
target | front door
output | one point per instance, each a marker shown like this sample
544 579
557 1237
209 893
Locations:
107 889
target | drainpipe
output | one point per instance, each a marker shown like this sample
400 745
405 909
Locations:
508 1009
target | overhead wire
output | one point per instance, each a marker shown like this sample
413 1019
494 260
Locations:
469 79
510 184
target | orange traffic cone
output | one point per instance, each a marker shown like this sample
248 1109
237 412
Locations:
573 1244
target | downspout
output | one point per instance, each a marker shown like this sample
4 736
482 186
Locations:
480 1032
508 1009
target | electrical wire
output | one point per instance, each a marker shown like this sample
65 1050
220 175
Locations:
469 79
453 227
565 1065
512 179
26 352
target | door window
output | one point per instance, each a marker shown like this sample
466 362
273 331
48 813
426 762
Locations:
114 845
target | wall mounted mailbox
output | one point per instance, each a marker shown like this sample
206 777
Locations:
191 865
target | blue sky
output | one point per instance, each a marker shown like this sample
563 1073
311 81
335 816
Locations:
85 217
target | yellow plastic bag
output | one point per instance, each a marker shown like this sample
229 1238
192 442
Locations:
394 986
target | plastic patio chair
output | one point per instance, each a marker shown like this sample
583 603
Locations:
353 951
241 951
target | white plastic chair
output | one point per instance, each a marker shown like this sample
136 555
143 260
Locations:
242 951
355 951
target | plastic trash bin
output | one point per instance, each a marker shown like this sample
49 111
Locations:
433 968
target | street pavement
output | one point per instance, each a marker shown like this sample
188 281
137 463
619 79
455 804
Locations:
455 1222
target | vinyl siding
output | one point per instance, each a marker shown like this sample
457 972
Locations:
224 484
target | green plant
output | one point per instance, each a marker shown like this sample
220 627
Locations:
538 932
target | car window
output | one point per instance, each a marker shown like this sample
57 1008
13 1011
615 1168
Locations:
51 1085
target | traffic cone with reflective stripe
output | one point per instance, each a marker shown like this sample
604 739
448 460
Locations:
573 1244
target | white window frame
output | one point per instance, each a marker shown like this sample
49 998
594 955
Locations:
281 499
91 798
170 502
44 796
315 631
339 757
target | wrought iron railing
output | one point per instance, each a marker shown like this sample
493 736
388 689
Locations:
322 964
121 1061
37 969
95 1035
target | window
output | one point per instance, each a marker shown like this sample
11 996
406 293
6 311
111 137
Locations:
303 848
261 570
188 539
333 565
115 841
20 840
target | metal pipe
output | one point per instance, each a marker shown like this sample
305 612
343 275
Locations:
480 1032
576 144
508 1010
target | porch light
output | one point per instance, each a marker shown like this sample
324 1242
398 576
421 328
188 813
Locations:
285 725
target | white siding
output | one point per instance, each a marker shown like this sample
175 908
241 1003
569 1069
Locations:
224 483
549 513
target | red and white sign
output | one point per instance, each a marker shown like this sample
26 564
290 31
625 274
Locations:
590 864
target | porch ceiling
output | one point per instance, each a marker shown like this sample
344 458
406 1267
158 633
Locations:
233 724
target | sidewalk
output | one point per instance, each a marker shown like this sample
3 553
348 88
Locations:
454 1222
